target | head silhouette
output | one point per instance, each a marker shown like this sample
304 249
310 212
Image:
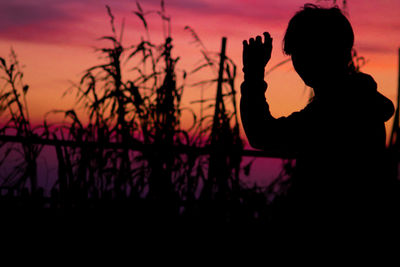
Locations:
320 42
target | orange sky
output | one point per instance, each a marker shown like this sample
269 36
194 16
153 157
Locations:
54 39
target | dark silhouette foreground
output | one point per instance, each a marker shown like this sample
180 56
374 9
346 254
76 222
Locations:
342 172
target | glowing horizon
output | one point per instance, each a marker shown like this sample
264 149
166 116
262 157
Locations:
55 40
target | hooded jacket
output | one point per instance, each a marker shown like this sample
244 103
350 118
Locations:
338 141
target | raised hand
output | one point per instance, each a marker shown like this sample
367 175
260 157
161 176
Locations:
256 54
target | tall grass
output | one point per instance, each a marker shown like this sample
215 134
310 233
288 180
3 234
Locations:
15 114
129 151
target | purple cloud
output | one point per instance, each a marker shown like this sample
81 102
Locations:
34 21
17 14
57 20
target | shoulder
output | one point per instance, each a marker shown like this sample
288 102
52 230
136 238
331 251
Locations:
310 110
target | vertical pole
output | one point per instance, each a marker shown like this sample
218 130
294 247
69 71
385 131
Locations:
394 140
218 98
397 123
215 162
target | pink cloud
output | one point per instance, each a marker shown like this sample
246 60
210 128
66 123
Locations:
77 22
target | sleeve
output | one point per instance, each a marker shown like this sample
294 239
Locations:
263 131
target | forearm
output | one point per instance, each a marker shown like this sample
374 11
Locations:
255 114
262 130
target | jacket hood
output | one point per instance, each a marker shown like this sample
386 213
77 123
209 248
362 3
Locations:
365 90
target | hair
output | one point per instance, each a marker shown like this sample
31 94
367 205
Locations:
327 29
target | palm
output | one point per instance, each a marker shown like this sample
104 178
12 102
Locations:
256 53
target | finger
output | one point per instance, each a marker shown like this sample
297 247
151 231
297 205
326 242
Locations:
245 48
251 41
267 42
267 37
258 39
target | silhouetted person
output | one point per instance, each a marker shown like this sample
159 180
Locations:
338 138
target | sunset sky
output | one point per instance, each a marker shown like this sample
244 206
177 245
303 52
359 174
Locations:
54 39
